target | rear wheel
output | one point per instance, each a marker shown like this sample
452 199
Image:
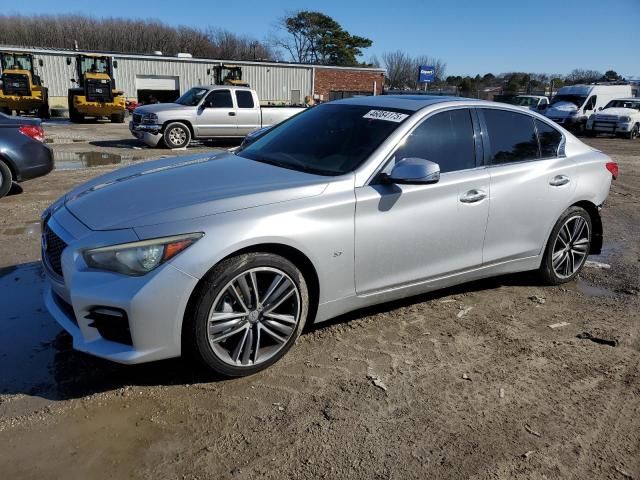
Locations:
568 247
248 315
6 179
74 115
176 135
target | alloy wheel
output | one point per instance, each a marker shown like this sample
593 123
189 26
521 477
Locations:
177 136
254 316
571 247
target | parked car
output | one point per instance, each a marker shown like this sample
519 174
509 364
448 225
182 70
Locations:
573 105
537 103
23 153
351 203
205 113
619 117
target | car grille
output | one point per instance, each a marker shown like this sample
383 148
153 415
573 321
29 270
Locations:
15 84
53 246
98 90
606 118
137 118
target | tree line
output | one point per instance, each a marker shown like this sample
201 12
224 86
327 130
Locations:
128 36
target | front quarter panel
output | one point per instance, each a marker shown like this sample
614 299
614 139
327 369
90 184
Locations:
320 227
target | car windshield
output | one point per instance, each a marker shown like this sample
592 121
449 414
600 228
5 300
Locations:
330 139
577 100
624 104
524 101
192 97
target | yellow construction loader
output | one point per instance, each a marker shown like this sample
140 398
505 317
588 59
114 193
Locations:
22 88
229 75
95 95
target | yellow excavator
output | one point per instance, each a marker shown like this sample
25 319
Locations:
95 95
22 88
229 75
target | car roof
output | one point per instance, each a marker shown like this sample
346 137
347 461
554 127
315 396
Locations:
627 99
404 102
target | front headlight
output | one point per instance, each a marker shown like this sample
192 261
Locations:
150 118
625 119
138 258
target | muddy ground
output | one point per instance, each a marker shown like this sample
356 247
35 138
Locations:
468 382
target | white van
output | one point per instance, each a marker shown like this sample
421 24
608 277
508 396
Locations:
572 106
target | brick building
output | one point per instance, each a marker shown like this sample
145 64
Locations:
335 83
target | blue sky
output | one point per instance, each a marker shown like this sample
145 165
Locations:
471 36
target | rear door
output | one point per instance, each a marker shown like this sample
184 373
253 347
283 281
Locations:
248 112
411 233
216 116
531 183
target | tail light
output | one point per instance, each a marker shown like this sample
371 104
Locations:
33 131
613 168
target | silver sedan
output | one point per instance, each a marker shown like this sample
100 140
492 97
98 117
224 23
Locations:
351 203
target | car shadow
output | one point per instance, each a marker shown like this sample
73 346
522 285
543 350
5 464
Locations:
37 358
129 143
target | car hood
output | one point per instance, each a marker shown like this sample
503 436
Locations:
561 109
620 112
180 188
159 107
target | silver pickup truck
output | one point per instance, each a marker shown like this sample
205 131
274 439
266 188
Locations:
213 111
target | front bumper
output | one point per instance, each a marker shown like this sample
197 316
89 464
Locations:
149 134
99 109
154 304
600 126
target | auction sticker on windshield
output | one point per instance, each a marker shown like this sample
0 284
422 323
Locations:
385 115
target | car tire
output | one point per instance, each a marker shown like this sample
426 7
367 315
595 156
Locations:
568 247
6 179
117 118
253 341
634 133
176 135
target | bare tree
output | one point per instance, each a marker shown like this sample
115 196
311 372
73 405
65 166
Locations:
402 69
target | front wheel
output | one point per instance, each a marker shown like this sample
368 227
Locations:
176 135
117 117
568 247
634 133
249 313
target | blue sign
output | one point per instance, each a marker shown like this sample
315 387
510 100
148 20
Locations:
427 74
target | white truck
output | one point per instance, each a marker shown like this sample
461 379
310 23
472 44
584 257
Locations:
573 105
619 117
537 103
207 112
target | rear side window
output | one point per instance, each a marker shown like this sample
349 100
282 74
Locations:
511 135
445 138
244 98
220 99
550 139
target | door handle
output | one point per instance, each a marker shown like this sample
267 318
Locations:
559 180
473 196
232 114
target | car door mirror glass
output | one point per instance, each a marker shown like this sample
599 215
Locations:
414 171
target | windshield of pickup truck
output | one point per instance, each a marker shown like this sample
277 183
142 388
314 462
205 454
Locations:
623 104
330 139
192 97
524 101
577 100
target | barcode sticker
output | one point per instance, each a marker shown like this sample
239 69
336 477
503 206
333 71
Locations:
385 115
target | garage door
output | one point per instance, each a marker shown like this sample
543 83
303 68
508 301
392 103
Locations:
157 82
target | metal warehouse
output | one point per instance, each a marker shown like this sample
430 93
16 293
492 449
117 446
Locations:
166 77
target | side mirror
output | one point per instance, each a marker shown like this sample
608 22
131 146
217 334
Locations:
599 108
414 171
73 80
41 63
115 64
68 61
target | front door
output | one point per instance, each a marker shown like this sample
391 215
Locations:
216 116
407 234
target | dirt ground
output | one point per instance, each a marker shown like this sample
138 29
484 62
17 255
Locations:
469 382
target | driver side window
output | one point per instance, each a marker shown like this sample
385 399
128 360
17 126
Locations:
591 103
219 99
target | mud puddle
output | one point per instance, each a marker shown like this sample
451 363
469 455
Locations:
30 229
591 290
81 160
